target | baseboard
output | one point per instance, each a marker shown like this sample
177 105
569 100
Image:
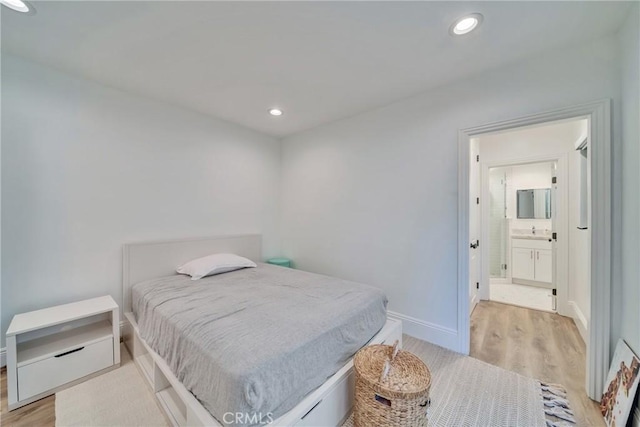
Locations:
124 329
436 334
473 303
636 418
580 320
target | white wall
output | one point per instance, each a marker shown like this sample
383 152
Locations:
530 176
626 292
536 141
86 168
524 177
374 197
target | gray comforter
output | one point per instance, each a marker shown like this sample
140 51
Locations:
256 340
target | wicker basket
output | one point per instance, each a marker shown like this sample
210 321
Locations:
392 388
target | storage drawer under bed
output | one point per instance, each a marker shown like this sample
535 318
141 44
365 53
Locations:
331 409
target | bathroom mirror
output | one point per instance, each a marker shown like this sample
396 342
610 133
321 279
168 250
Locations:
534 203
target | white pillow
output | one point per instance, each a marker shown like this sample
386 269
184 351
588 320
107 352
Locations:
214 264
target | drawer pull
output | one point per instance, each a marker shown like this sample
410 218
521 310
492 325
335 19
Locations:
309 411
68 352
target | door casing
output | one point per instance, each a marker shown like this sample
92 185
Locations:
475 227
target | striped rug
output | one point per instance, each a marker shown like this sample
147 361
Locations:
469 392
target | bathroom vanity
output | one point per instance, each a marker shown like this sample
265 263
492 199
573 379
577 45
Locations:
532 260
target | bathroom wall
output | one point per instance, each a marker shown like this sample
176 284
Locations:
525 177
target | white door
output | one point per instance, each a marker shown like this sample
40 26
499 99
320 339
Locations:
474 224
522 263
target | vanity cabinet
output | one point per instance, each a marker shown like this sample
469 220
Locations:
543 266
523 265
532 260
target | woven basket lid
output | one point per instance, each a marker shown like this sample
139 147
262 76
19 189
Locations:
408 377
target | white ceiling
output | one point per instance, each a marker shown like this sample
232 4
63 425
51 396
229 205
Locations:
318 61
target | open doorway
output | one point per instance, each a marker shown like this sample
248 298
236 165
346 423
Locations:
521 254
534 182
598 227
534 302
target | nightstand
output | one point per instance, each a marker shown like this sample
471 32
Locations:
57 347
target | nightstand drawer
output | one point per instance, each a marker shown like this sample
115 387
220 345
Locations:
46 374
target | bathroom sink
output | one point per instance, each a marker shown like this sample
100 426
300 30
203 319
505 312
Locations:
531 236
527 234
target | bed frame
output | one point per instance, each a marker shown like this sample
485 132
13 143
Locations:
328 405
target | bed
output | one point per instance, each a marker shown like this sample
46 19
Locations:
276 344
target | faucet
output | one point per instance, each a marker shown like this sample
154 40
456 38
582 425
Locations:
533 229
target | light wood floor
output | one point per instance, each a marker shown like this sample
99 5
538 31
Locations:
539 345
39 414
536 344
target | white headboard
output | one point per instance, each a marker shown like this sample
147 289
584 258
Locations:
144 261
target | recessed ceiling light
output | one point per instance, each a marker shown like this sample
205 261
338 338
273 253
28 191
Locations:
275 112
17 5
466 24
